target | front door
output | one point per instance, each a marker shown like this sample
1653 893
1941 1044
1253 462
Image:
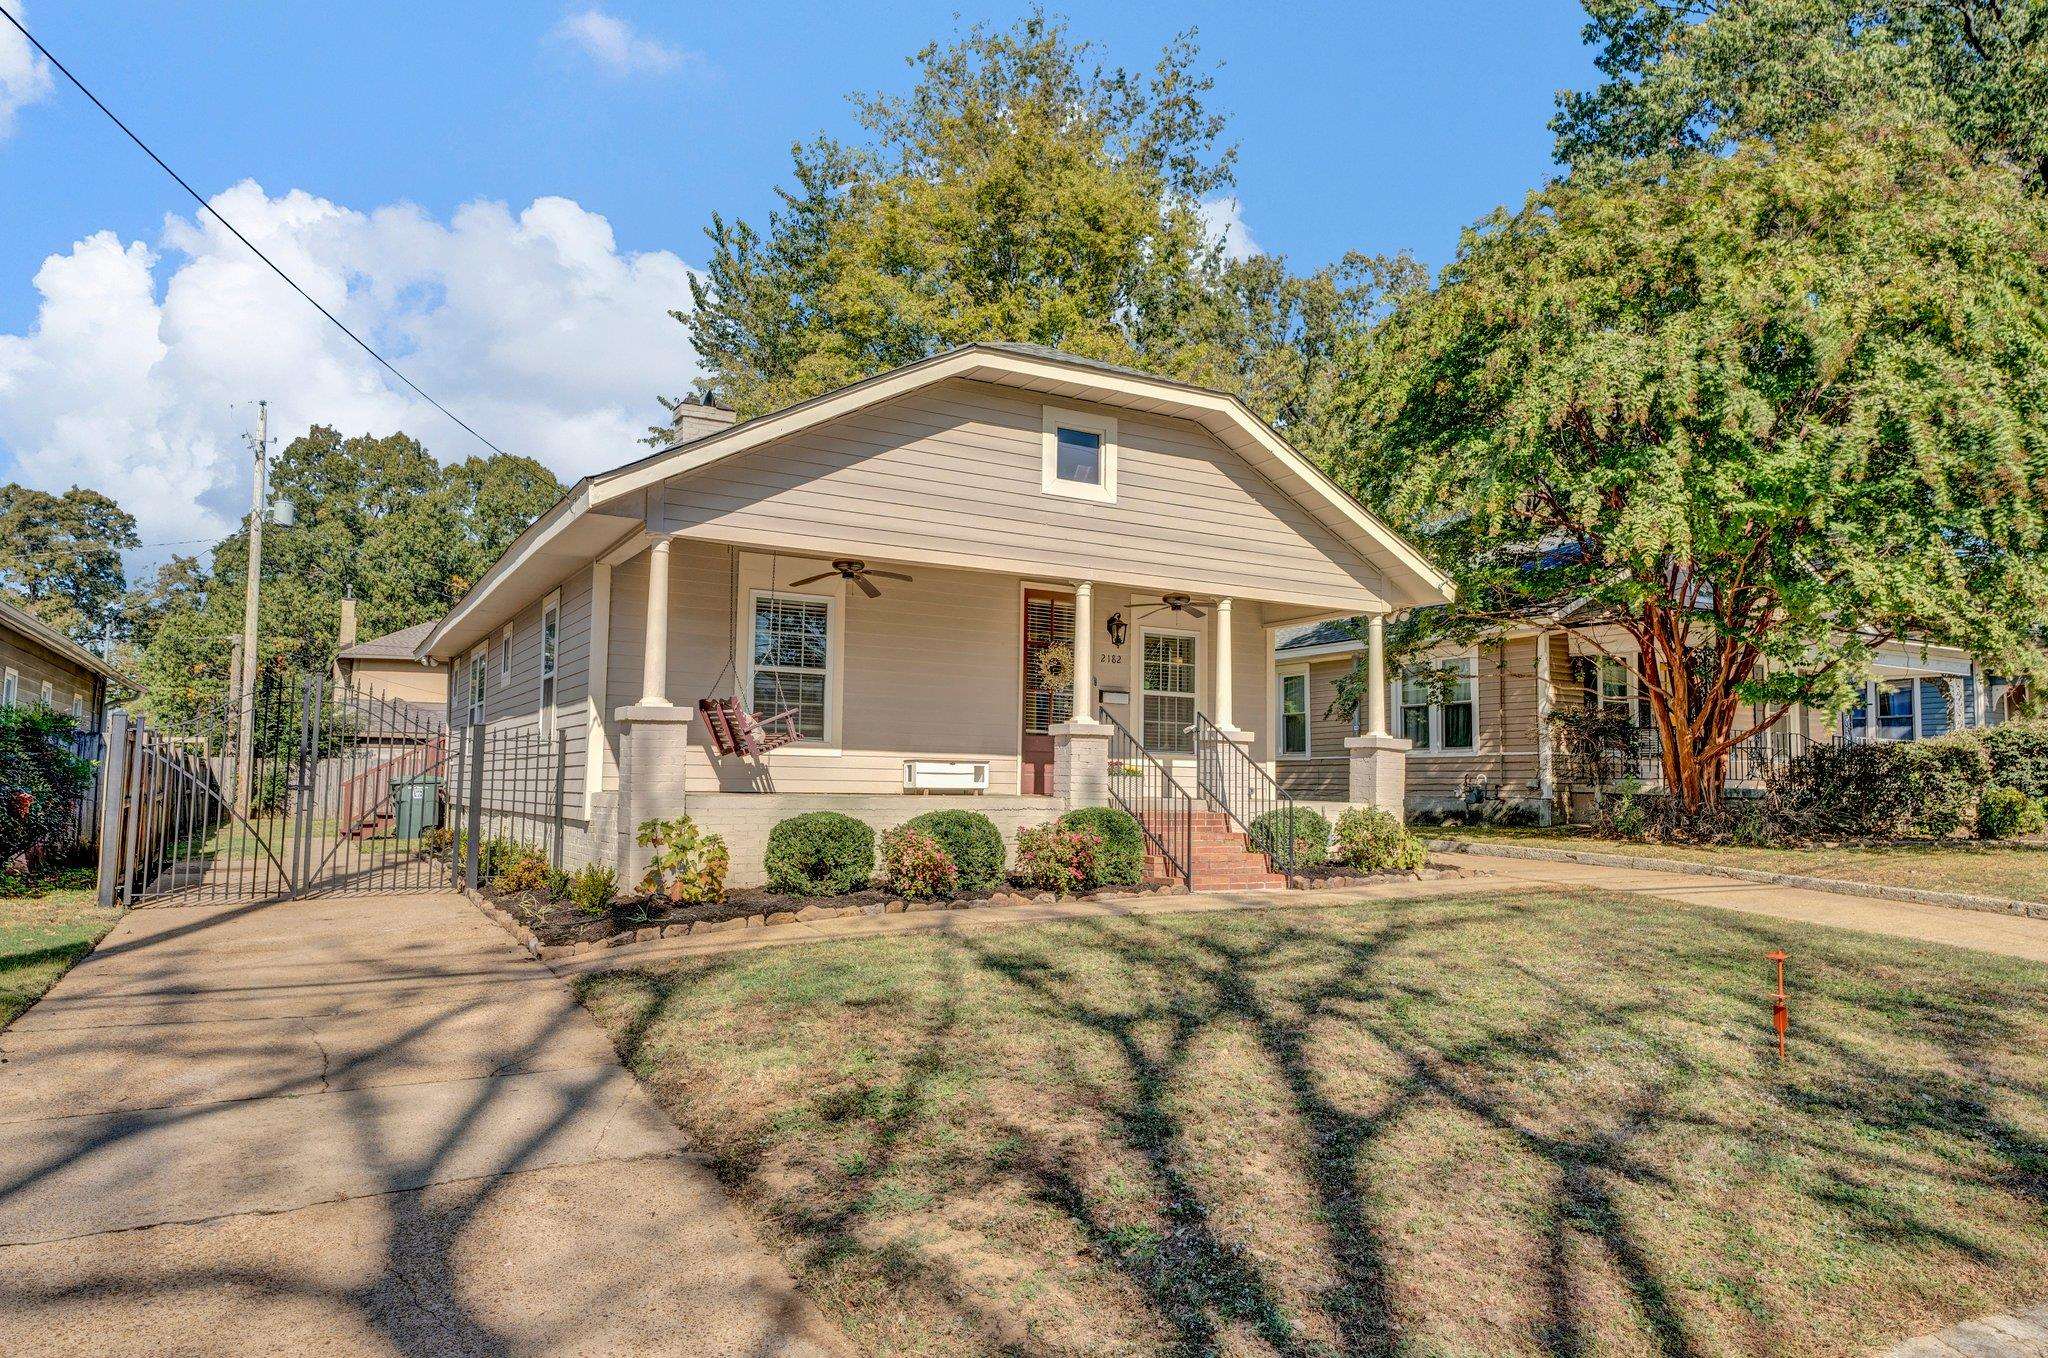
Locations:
1048 682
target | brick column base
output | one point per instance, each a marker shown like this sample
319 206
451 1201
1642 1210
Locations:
1379 772
654 747
1080 763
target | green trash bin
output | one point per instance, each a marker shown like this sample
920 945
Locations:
415 806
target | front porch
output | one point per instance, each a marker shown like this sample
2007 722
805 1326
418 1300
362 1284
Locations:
928 687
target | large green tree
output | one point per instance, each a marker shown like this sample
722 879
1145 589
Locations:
377 520
1764 410
1707 74
1022 190
62 555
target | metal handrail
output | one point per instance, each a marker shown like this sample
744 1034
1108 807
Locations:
1146 789
1242 789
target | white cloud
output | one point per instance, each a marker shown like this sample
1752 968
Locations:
535 328
1223 218
618 48
24 76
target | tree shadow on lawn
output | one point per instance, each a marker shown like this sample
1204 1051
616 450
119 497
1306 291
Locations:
1143 1002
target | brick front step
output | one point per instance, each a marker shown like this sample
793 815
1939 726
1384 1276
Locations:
1220 857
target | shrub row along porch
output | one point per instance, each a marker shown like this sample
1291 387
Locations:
1002 574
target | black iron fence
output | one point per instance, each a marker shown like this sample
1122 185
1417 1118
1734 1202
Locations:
507 789
1243 790
1144 787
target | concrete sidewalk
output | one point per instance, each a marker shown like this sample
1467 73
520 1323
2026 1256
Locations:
353 1126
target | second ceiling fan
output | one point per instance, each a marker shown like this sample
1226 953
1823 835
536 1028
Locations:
849 568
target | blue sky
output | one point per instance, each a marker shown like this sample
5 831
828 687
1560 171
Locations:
1379 126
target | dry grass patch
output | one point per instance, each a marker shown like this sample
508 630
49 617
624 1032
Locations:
1508 1124
2015 871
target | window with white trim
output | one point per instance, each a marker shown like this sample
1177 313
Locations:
1439 704
1079 456
48 697
479 664
792 660
1612 684
550 633
77 706
1294 715
1168 692
10 689
505 656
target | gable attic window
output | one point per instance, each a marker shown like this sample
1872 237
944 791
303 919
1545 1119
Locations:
1078 456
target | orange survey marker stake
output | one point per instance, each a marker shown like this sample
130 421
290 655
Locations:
1781 1018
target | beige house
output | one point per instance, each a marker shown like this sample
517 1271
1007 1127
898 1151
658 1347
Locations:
1480 738
1003 574
388 667
39 665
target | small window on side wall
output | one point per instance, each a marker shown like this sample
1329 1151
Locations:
1079 455
1293 716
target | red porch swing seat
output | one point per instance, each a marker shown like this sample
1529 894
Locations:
734 730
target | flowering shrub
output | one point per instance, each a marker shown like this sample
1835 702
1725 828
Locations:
1056 860
917 866
688 866
972 841
1120 858
1372 840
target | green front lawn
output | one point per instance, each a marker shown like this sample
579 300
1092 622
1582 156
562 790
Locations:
40 937
1518 1123
2014 871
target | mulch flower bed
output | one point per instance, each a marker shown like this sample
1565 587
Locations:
559 924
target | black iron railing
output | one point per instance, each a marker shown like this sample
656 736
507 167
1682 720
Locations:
1244 791
1146 788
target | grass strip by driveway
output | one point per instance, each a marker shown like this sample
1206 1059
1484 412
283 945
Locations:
1516 1123
41 937
2013 871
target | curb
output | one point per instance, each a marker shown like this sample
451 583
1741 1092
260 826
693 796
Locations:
1953 900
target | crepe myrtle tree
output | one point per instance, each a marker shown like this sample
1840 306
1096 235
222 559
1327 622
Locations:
1764 411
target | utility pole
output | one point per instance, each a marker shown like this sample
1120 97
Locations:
251 596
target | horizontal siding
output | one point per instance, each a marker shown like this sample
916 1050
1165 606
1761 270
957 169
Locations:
1505 753
956 470
33 665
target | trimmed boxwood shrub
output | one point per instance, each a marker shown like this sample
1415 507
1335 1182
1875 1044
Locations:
1121 859
972 841
820 853
1308 830
2019 755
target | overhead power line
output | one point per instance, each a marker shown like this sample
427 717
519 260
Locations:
208 208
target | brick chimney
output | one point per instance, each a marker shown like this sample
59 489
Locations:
693 418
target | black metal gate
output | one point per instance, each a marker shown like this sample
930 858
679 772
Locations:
311 787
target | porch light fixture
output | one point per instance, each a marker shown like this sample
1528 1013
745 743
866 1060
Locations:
1119 630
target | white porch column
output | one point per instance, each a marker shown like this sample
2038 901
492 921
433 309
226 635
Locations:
654 661
1546 702
1223 673
1376 675
1084 652
1379 761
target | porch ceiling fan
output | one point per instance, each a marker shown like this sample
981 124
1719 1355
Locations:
1176 603
847 568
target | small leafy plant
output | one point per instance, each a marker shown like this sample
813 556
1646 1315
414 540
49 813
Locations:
689 865
591 888
519 870
917 866
1055 859
2006 812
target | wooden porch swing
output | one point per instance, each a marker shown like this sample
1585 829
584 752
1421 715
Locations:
732 729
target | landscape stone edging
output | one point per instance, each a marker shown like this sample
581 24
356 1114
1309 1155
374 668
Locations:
1954 900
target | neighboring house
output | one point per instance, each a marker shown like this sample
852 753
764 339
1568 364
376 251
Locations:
387 666
40 665
1481 738
1032 500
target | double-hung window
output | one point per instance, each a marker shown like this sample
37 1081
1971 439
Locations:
48 696
10 689
505 656
550 631
792 660
1439 707
1169 692
479 665
1294 715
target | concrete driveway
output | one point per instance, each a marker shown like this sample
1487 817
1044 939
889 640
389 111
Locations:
353 1126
